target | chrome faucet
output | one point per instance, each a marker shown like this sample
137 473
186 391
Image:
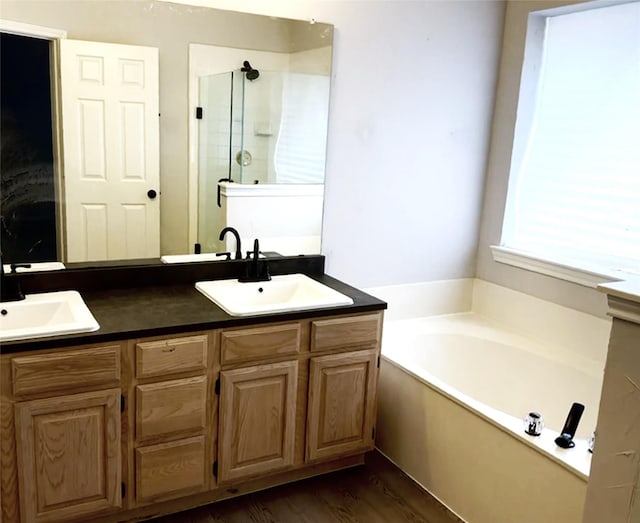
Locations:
253 270
237 236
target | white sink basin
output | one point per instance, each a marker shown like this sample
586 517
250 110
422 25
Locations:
291 292
46 314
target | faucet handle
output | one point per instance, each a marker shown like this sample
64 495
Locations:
266 274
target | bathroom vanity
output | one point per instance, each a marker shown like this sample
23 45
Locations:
174 404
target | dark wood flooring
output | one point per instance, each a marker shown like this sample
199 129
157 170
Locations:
377 492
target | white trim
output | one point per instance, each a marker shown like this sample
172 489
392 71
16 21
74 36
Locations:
623 309
267 189
563 270
625 290
34 31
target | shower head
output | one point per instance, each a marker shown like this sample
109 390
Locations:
249 71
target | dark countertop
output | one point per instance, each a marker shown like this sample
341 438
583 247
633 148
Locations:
167 308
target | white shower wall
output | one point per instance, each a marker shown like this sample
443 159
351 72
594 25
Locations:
287 219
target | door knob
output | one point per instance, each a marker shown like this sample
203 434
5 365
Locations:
151 193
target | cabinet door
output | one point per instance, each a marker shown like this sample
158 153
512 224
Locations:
69 455
341 408
257 419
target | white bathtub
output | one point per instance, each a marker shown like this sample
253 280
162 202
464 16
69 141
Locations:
452 394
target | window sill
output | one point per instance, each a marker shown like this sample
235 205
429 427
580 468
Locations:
562 270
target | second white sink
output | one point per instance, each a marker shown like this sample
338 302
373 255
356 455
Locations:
290 292
46 314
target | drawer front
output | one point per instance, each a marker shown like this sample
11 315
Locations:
353 332
68 369
161 357
171 469
260 342
169 407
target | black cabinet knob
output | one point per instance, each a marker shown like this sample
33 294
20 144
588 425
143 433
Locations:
152 194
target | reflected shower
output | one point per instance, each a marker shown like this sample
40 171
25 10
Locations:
249 71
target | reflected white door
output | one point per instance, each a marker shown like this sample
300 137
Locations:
110 106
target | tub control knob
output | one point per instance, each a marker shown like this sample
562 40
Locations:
592 441
533 424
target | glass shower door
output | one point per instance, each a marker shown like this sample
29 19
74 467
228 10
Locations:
214 150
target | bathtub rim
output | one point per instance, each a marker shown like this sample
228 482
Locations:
542 444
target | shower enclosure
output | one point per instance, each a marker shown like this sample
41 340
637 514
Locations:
257 127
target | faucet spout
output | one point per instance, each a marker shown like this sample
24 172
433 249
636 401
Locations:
237 237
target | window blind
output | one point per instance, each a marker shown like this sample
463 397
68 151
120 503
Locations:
577 193
301 146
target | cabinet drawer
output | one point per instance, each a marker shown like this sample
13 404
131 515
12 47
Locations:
171 469
171 407
160 357
260 342
353 332
68 369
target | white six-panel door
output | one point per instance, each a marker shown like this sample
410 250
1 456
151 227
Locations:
110 105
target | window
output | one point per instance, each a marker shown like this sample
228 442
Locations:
574 188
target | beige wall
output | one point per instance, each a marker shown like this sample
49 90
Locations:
613 493
497 177
169 27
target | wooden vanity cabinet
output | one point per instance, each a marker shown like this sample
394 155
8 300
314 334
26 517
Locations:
171 412
258 399
61 434
341 408
151 426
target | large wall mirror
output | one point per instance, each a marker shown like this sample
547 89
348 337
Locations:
240 98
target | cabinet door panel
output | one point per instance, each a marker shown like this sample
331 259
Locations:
170 407
341 408
171 469
257 419
69 454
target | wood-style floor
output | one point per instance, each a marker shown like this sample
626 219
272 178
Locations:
377 492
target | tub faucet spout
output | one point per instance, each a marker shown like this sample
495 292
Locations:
565 439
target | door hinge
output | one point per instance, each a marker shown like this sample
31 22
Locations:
378 365
217 388
122 400
373 433
214 469
123 489
198 113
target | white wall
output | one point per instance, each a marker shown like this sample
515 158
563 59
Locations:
552 289
411 106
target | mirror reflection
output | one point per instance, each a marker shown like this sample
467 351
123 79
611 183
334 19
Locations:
261 128
273 124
